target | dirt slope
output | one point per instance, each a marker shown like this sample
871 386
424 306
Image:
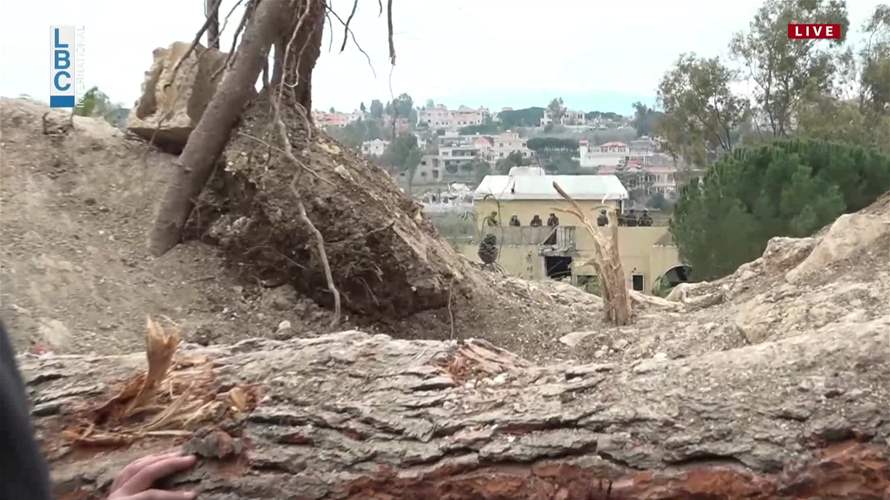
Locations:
74 271
76 277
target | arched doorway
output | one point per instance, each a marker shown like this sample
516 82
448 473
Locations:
671 278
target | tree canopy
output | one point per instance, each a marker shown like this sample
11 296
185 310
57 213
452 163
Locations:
556 109
783 69
376 109
645 119
96 103
701 113
527 117
787 187
542 144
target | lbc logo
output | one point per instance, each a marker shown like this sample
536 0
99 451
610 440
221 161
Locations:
62 72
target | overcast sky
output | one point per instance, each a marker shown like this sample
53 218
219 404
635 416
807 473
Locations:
595 54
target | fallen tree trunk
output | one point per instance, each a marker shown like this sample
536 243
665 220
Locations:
351 415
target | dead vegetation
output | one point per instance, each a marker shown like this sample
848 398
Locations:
173 398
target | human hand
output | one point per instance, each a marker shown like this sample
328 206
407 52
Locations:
135 480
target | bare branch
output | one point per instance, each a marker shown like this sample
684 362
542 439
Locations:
231 57
194 44
354 40
392 47
346 25
327 19
225 23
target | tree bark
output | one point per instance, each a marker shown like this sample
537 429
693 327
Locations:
351 415
211 134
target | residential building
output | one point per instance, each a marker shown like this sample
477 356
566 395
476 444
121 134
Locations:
569 118
654 174
335 119
440 117
610 154
502 145
644 145
374 147
564 251
427 172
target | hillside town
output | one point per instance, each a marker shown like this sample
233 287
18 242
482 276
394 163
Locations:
459 147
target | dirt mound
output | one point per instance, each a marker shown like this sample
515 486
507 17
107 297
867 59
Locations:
836 278
77 206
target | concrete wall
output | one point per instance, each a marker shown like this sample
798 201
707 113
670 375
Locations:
636 247
526 209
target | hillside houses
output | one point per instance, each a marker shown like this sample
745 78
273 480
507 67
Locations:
374 147
335 119
610 154
440 117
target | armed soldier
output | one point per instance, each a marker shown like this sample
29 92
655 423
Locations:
602 219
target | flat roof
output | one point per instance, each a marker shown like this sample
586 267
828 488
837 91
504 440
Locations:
540 187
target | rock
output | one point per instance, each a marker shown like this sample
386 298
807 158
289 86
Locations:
284 325
172 108
848 234
282 298
54 332
575 338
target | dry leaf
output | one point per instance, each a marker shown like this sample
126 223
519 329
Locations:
159 349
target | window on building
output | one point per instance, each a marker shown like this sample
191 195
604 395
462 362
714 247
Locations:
638 282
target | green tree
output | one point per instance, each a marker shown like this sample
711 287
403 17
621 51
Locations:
332 110
361 107
376 109
96 103
357 132
482 169
658 202
430 104
403 105
781 188
526 117
645 119
701 113
556 110
561 163
783 69
404 154
514 159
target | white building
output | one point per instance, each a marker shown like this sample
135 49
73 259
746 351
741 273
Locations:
375 147
502 145
569 118
440 117
610 154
